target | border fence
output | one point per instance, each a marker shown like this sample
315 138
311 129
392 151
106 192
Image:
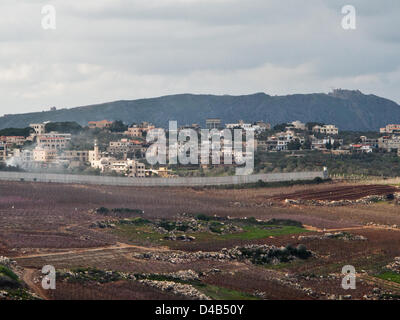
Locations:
160 182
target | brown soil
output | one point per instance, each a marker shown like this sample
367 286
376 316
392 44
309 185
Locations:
339 193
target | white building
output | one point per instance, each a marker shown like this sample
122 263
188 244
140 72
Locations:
298 125
326 129
53 140
39 127
44 155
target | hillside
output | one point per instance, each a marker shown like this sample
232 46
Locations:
349 110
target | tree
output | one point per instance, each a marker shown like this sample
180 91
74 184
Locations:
63 127
329 145
118 126
307 145
16 132
336 145
310 125
294 145
281 127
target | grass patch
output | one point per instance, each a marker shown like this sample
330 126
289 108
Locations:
9 273
390 276
141 233
207 228
220 293
138 233
254 233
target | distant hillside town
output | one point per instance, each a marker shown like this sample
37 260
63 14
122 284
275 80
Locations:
115 148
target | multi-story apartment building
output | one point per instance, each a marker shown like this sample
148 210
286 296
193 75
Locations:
75 158
44 155
389 143
13 140
263 125
130 168
240 125
3 151
24 156
391 128
53 141
136 169
326 129
257 127
374 143
213 123
123 146
297 125
40 128
134 131
322 143
103 124
137 130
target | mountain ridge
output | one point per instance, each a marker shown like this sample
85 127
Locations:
348 109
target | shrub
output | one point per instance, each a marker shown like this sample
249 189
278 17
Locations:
167 225
127 210
216 227
182 227
302 252
7 272
203 217
102 210
318 180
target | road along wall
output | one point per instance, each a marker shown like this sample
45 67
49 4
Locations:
160 182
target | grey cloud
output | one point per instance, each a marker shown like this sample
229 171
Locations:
168 46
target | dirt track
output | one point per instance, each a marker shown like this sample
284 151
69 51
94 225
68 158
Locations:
119 246
381 282
28 278
339 193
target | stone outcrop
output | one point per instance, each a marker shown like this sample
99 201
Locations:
326 203
185 290
395 265
257 254
337 235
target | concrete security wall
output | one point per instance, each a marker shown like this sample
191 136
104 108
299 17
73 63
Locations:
157 182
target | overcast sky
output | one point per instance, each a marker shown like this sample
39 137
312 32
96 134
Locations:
106 50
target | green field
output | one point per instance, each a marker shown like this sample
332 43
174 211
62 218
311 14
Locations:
220 293
141 233
390 276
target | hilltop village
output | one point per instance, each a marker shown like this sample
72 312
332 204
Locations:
115 148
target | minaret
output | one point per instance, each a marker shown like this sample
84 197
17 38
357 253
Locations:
96 150
5 152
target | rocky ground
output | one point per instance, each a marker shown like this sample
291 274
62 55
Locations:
139 244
